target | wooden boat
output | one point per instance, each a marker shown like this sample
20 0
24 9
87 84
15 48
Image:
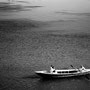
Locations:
62 73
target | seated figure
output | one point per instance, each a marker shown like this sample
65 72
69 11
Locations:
82 68
52 69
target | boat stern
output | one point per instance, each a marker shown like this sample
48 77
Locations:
44 71
88 70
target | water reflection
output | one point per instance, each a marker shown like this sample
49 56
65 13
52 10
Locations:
64 84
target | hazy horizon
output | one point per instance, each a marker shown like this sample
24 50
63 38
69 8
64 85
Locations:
48 9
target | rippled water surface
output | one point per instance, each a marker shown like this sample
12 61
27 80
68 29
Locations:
37 33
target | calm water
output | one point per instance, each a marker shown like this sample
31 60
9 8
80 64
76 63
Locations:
53 32
24 51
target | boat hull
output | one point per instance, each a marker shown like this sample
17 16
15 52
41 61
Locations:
49 75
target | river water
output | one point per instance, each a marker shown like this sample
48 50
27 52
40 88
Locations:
53 32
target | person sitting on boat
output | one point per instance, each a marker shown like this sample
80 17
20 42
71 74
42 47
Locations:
82 68
52 69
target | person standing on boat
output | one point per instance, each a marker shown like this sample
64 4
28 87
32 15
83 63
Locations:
52 69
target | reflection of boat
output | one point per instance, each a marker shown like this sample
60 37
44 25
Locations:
54 73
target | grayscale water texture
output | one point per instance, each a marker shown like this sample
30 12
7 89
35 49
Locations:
37 33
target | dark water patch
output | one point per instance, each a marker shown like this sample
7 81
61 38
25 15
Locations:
18 24
73 13
70 35
64 84
85 77
13 8
31 77
33 6
34 83
23 1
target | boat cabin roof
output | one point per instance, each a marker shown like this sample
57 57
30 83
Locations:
67 70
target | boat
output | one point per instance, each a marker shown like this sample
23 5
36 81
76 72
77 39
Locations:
62 73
